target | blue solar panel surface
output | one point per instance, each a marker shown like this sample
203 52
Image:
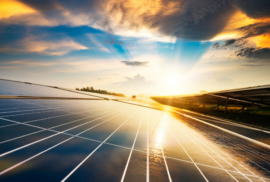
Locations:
24 89
99 140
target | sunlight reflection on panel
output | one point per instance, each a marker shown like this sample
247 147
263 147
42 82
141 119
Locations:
161 129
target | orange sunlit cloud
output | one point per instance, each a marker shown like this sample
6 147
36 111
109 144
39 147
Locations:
30 44
241 20
237 20
9 8
262 40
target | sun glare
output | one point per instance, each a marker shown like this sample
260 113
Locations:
172 80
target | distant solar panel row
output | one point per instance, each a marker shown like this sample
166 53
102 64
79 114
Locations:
63 140
23 89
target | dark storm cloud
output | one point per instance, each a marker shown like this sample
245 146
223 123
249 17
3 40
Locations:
189 19
216 45
135 63
229 42
42 5
255 29
196 20
263 53
254 8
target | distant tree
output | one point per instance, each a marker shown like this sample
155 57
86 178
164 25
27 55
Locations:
91 89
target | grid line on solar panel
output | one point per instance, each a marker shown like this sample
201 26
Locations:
46 149
46 109
228 156
151 153
16 108
41 119
248 151
189 161
261 154
211 156
189 156
43 128
192 160
131 150
45 118
51 105
159 129
189 134
49 129
37 114
245 150
72 106
95 150
57 133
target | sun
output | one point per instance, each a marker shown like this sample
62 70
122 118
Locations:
172 80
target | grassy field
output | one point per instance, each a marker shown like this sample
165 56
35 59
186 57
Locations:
256 115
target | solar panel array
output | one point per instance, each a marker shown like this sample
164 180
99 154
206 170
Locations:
74 140
24 89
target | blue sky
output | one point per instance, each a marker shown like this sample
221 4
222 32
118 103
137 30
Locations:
160 51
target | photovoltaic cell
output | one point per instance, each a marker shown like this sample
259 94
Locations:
90 140
23 89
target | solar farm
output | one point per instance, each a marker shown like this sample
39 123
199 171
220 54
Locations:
64 139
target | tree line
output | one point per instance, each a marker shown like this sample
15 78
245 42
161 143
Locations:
91 89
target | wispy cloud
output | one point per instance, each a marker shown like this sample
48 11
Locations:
33 44
224 80
252 65
32 63
135 63
135 84
257 53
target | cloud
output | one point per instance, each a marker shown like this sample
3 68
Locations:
197 20
135 63
229 42
257 53
34 45
10 8
253 8
137 82
136 79
216 45
255 29
31 63
224 80
252 65
189 19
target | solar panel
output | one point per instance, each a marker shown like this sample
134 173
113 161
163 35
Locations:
258 94
24 89
99 140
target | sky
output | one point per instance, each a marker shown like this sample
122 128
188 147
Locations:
155 47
